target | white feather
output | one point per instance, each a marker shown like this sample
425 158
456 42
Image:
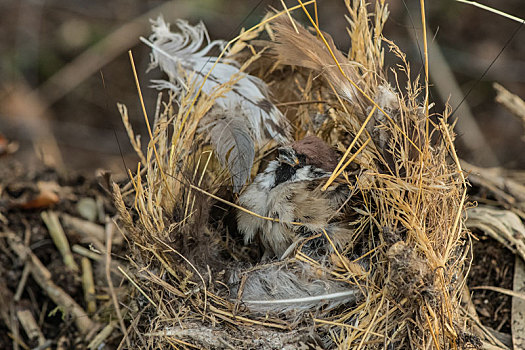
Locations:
184 55
233 143
284 288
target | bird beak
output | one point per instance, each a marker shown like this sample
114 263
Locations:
293 162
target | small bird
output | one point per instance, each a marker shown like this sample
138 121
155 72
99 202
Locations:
289 190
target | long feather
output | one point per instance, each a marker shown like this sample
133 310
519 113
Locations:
304 49
248 116
233 143
281 288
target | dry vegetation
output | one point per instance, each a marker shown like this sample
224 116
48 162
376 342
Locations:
164 263
409 224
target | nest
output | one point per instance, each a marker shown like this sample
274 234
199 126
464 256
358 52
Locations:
408 252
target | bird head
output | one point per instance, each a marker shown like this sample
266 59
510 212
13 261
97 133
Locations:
289 156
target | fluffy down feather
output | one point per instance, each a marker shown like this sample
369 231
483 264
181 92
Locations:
305 50
241 117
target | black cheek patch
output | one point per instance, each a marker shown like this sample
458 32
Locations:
283 173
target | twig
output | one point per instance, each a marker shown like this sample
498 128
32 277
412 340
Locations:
21 285
30 326
494 180
86 252
88 284
102 335
59 238
87 229
505 291
109 240
43 277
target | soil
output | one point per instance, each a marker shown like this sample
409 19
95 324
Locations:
19 187
493 265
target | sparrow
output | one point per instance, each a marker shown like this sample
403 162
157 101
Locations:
289 190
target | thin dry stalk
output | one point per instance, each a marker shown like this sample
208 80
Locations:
408 202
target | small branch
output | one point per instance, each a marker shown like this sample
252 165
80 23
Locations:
102 336
512 102
80 250
88 284
30 326
87 229
42 276
22 284
59 238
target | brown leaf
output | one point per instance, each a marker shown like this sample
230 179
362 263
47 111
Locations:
44 199
47 196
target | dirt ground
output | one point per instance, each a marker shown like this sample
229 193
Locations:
492 266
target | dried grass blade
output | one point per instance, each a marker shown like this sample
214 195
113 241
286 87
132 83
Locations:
157 158
352 144
493 10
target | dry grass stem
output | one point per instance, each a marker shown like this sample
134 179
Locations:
405 213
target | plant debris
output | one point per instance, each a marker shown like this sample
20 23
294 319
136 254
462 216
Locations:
161 259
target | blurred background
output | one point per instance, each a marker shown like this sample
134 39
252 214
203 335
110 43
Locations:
64 66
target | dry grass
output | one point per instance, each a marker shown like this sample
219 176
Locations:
409 215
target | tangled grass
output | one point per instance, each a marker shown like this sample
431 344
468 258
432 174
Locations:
408 209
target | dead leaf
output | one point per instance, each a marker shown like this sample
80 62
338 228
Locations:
502 225
44 199
47 197
518 306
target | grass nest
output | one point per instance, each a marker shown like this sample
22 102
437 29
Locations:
409 250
